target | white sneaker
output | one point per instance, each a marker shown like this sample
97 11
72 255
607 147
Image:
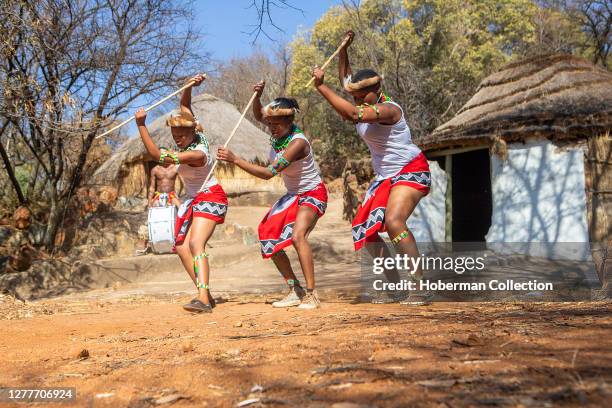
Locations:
383 298
310 301
293 298
418 297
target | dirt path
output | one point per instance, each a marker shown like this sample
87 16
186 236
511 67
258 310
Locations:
237 267
142 349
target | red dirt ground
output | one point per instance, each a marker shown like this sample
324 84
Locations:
145 350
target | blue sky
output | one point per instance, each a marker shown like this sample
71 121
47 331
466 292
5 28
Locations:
226 24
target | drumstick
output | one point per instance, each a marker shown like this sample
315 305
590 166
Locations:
155 105
329 60
212 169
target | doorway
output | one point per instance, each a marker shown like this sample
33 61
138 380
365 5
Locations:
472 205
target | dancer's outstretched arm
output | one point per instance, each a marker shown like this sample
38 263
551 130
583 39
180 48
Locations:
258 87
296 150
186 96
344 65
378 113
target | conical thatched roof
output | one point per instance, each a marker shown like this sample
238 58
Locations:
557 96
218 118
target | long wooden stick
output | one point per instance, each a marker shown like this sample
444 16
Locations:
229 139
328 60
155 105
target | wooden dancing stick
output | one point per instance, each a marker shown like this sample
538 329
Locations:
229 139
329 59
155 105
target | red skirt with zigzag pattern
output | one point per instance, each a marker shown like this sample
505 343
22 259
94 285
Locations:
370 217
210 203
276 229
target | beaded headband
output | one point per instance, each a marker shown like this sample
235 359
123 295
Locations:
273 109
364 83
184 119
181 119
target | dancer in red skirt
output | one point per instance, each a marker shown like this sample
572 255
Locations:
206 205
293 217
402 171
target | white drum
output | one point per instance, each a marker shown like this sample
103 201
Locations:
161 228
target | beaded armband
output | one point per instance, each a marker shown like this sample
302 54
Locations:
273 170
163 154
361 108
281 164
174 157
359 113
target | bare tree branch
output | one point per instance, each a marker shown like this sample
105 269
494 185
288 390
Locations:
68 68
9 168
264 10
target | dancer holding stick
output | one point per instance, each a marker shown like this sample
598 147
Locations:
206 205
292 218
402 172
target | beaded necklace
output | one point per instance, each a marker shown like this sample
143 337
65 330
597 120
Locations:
384 98
199 139
282 143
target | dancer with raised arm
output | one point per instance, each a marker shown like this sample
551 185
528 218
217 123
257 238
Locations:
293 217
402 172
206 204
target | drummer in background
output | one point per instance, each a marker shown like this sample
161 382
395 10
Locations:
161 188
161 194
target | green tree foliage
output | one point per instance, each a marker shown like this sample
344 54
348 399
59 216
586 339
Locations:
432 53
590 27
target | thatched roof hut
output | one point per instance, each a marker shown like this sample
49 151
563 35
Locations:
528 159
557 96
129 167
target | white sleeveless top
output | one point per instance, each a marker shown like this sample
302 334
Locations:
301 175
391 146
193 177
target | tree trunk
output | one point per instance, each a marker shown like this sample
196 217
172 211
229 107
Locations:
9 169
32 184
55 212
